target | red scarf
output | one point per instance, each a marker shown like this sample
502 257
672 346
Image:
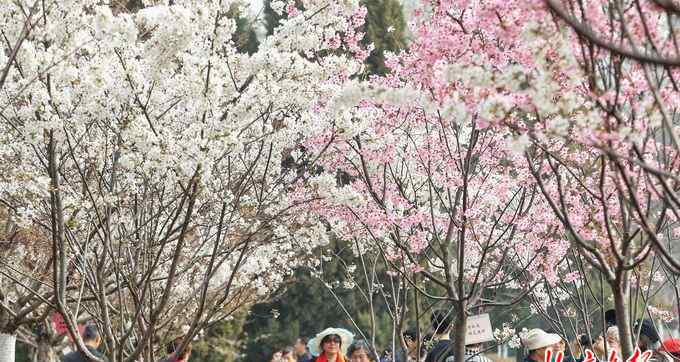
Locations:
323 358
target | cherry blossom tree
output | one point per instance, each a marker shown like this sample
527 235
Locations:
150 152
593 113
409 173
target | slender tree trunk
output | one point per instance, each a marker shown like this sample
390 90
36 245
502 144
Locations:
7 347
621 290
459 332
44 352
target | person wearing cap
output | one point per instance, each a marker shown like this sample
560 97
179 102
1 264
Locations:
538 342
650 340
330 345
92 340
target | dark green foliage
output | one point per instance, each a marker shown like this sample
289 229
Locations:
245 37
22 352
383 15
306 307
221 342
271 18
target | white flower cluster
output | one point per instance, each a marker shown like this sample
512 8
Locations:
508 335
167 145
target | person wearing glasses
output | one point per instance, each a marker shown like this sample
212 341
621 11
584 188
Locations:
330 345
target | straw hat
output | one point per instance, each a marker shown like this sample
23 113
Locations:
538 338
346 337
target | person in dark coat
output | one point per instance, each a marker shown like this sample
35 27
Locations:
441 325
92 340
651 341
301 351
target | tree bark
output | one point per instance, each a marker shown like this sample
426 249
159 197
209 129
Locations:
620 291
459 332
44 352
7 347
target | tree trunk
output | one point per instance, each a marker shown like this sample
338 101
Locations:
44 352
459 332
621 291
7 345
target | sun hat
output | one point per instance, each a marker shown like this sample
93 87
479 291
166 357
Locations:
346 337
538 338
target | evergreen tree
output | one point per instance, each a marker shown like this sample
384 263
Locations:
305 307
245 37
271 18
221 342
385 28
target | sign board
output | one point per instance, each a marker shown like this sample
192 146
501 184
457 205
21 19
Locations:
59 323
479 329
60 327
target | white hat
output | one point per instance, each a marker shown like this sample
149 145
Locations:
538 338
346 337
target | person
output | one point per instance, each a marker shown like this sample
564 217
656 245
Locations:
443 348
603 345
360 351
330 345
538 342
563 342
288 355
441 324
411 354
612 340
301 352
579 345
473 353
599 348
650 340
649 337
672 347
386 355
610 318
92 340
277 357
172 350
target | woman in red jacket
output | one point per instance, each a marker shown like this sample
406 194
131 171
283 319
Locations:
331 345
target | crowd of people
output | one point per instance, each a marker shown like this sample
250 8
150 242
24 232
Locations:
339 345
